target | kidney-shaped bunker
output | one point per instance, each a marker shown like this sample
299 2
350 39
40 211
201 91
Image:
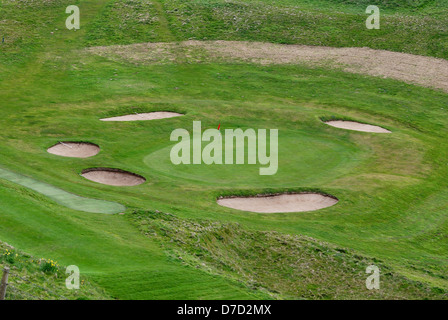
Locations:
144 116
297 202
356 126
113 177
74 149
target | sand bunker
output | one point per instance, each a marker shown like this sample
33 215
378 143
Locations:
113 177
280 203
356 126
74 149
144 116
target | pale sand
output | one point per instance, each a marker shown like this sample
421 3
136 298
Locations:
113 177
280 203
74 149
356 126
144 116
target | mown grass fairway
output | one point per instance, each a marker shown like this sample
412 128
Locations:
391 188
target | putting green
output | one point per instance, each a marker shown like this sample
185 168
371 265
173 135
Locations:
304 159
62 197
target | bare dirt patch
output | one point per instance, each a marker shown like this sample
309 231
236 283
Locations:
421 70
356 126
298 202
74 149
113 177
144 116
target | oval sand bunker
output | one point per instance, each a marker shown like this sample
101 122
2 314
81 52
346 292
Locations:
74 149
144 116
113 177
356 126
280 203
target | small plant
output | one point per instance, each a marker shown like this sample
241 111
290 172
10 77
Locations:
9 256
48 266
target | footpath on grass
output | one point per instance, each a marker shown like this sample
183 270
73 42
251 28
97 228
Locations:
62 197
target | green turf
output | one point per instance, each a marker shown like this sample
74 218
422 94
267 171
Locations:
328 155
392 188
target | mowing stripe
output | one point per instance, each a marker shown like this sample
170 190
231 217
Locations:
62 197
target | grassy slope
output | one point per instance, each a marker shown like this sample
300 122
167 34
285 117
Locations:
32 278
392 202
264 260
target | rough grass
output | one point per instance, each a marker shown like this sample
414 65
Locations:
24 24
396 4
285 266
125 22
293 24
324 23
32 278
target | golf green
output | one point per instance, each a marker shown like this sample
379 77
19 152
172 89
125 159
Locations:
56 84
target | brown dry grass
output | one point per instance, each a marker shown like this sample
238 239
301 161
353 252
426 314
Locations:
420 70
